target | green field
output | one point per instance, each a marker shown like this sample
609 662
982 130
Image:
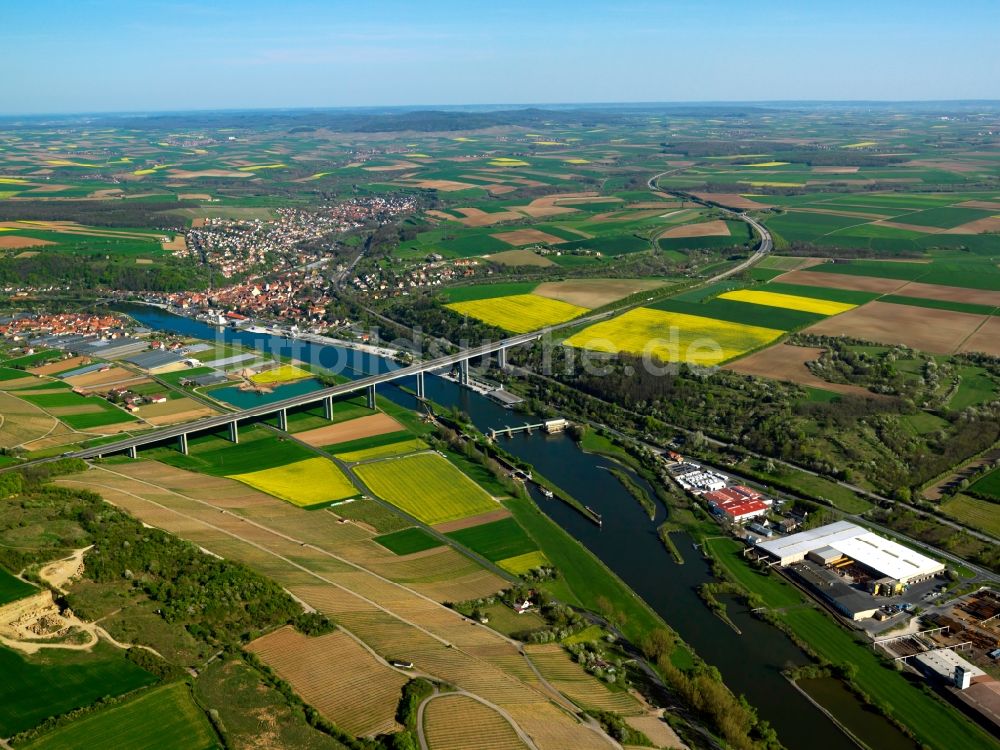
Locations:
35 688
408 541
427 487
394 443
166 717
371 512
258 449
12 588
488 291
988 486
974 512
495 541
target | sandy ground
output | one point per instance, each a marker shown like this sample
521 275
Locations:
950 293
465 523
174 411
520 258
935 331
591 293
8 242
986 339
194 196
176 244
60 366
103 377
528 237
716 228
989 224
474 217
61 573
910 227
376 424
788 363
842 281
985 205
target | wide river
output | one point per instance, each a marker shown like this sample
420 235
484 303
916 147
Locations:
627 542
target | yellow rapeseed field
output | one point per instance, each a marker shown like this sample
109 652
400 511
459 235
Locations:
520 564
788 301
280 374
673 337
768 164
503 161
303 483
519 313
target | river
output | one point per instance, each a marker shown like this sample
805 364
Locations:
627 542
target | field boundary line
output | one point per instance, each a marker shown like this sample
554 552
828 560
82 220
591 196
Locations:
501 636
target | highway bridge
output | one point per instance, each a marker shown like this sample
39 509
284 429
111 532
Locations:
230 421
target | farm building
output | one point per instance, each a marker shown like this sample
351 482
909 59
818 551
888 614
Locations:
847 541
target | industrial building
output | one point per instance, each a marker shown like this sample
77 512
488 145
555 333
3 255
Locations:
891 565
737 504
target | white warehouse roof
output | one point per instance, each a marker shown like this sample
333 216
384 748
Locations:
889 558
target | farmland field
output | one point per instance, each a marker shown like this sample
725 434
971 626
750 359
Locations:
307 483
386 450
983 515
555 664
497 540
935 331
788 301
427 487
408 541
519 313
521 564
457 722
337 676
673 337
165 717
35 688
13 588
280 374
988 486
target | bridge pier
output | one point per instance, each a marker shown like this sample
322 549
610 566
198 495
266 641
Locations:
283 420
463 372
234 433
421 393
328 408
133 452
370 393
182 443
502 358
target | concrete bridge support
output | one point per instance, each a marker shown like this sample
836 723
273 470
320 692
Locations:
463 372
370 392
283 420
133 452
328 407
182 443
502 358
421 393
234 432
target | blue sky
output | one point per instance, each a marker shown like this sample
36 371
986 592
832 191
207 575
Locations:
113 55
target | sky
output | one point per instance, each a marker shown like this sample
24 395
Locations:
152 55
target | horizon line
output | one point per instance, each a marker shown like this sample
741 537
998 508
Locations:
500 106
